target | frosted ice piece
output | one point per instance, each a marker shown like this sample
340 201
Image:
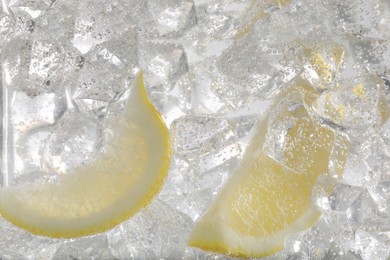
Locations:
24 23
205 142
360 18
309 244
380 192
94 26
362 210
159 231
305 19
56 19
355 172
33 5
76 137
195 253
163 64
343 197
384 133
37 67
172 17
104 76
6 24
260 65
15 62
190 191
27 125
372 55
21 244
371 245
216 24
32 112
53 63
357 104
9 255
232 95
95 247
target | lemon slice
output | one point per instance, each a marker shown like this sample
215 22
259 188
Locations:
107 190
270 195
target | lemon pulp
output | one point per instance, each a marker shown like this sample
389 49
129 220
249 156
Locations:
107 190
269 197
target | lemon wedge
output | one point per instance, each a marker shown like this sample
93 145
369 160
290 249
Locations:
106 190
270 194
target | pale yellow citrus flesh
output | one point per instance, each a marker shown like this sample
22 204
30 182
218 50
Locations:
109 189
264 200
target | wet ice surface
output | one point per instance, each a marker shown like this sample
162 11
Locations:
211 68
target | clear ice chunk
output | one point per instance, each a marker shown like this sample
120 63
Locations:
171 17
74 140
204 142
372 55
190 191
359 104
343 197
94 26
323 62
95 247
159 231
371 245
359 18
164 64
256 66
103 77
37 67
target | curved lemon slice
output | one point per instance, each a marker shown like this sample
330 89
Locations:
107 190
270 194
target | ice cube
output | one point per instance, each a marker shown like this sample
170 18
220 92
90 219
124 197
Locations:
6 24
380 192
305 19
159 231
37 67
358 104
74 140
20 244
343 197
95 247
104 76
94 26
32 112
360 18
362 210
323 62
258 66
164 64
372 245
57 19
309 244
190 191
372 55
15 62
204 142
53 63
172 17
